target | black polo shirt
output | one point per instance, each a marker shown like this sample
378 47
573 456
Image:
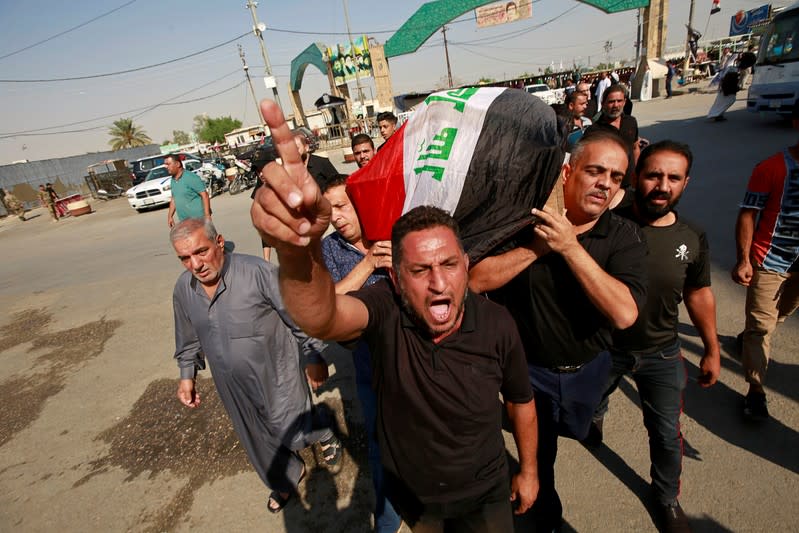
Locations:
558 323
439 418
628 127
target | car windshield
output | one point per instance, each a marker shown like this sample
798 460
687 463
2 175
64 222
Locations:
147 164
782 40
157 173
537 88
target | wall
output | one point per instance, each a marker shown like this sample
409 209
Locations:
65 173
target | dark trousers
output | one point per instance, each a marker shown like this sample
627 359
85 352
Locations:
487 513
565 403
660 378
386 518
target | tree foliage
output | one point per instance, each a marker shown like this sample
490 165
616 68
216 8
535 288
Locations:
125 134
213 130
485 80
180 137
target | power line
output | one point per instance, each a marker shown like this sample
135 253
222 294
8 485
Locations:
86 121
146 110
107 74
82 24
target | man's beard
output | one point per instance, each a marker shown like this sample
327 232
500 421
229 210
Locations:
653 212
419 320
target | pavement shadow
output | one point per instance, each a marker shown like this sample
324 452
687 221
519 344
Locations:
718 409
341 501
617 466
639 486
525 523
782 377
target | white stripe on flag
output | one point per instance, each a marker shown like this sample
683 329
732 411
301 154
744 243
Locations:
439 143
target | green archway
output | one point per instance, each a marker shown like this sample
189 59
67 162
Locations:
429 18
313 55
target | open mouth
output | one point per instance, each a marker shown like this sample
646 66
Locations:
440 309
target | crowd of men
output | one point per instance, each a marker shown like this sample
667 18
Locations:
549 323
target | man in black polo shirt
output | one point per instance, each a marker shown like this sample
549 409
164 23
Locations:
571 279
679 269
446 354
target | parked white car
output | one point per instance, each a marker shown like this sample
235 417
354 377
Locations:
154 191
543 92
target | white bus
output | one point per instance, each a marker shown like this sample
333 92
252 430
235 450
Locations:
775 84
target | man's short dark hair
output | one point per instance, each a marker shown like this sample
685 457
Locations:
387 115
615 88
418 219
665 146
598 133
571 98
362 138
174 157
339 179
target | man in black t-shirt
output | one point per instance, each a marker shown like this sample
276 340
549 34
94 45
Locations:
679 269
568 285
445 354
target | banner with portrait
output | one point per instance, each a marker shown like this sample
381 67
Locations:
350 59
503 12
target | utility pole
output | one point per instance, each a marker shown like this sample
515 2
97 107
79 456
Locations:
249 81
638 39
446 54
357 74
258 29
687 63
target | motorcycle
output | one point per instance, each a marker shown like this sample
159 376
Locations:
214 183
246 177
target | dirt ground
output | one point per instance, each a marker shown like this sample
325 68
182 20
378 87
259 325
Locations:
93 439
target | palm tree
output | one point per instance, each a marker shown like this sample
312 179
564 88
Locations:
126 134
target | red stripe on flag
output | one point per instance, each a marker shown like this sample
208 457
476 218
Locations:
378 189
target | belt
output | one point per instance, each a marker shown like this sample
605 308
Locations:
566 369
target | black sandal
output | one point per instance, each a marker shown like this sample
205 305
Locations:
331 451
277 498
277 502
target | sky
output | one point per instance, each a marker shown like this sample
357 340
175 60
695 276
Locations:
61 118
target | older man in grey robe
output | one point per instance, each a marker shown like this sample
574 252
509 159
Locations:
228 309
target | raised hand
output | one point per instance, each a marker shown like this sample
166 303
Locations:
289 210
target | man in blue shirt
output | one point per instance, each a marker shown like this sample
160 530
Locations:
189 197
354 263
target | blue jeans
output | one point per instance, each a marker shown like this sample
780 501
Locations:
660 378
386 518
564 404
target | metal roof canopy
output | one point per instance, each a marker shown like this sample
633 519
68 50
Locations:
429 18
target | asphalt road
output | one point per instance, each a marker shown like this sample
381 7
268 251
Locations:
92 439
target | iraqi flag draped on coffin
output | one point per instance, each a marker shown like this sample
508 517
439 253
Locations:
485 155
